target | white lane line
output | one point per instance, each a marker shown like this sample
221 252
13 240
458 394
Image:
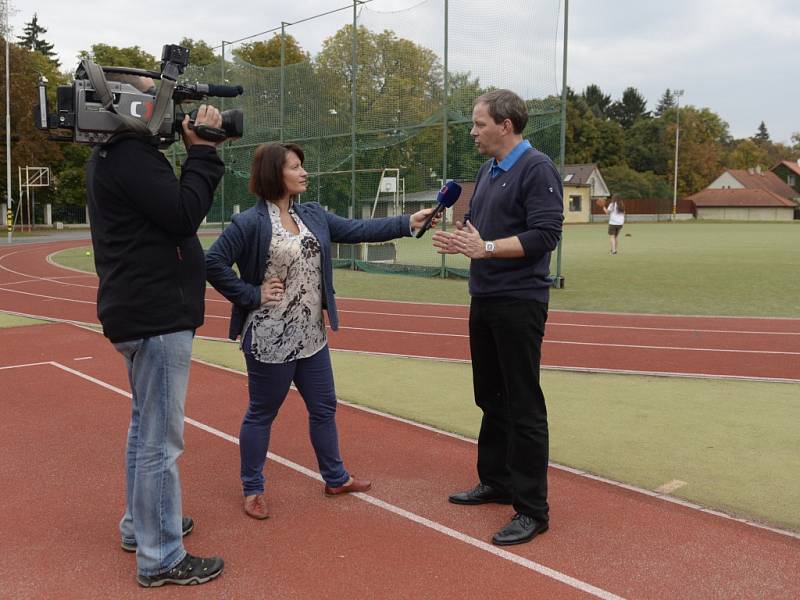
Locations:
552 323
670 486
598 344
550 367
46 296
22 366
583 312
435 526
47 279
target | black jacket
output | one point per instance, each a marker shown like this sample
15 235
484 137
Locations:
144 225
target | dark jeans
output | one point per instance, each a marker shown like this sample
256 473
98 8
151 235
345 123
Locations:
268 385
506 341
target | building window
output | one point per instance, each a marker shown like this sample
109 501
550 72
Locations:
574 204
791 180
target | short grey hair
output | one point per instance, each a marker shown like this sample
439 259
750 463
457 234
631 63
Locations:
505 104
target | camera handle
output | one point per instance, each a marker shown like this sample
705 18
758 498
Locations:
212 134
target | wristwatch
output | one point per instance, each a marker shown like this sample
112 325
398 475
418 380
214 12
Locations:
489 247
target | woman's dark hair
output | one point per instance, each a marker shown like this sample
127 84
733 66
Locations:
505 104
266 170
620 203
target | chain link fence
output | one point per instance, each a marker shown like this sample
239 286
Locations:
383 108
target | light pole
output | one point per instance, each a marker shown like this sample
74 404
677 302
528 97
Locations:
677 95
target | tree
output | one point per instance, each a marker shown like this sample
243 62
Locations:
33 41
597 100
200 53
702 139
29 146
762 135
745 154
666 102
114 56
629 183
632 107
268 54
647 147
796 140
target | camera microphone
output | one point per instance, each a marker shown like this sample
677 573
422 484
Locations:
446 197
220 91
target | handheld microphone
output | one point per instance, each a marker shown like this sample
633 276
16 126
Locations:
446 197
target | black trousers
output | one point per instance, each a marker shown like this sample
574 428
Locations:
506 342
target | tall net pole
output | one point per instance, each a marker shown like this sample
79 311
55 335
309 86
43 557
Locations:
9 212
559 280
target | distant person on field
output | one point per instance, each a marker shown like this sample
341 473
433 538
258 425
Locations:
282 250
616 219
512 224
150 300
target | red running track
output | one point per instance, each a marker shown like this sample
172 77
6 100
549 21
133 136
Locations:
690 345
65 413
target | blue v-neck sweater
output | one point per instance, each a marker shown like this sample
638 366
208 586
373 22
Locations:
525 201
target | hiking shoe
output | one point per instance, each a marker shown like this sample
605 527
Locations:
186 525
192 570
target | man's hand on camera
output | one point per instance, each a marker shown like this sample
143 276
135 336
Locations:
206 115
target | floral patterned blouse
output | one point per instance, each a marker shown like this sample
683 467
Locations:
292 328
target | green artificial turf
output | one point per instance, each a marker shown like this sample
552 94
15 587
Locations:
7 320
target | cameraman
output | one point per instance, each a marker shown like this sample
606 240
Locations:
150 300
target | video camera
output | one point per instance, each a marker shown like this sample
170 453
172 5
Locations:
96 110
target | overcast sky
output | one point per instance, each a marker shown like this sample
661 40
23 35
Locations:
737 57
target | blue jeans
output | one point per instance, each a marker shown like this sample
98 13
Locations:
158 370
268 385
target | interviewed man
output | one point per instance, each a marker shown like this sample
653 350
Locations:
150 300
511 226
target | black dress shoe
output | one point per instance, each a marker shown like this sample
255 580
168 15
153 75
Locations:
480 494
521 529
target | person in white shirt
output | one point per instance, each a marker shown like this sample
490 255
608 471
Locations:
616 219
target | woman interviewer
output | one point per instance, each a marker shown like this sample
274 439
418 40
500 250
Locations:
283 252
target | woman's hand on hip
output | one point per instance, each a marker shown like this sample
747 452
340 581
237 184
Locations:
271 290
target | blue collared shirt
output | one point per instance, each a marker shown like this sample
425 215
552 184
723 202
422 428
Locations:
510 160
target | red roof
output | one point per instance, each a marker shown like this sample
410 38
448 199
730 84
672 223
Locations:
789 164
744 198
765 180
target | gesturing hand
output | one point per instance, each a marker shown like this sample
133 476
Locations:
443 241
468 242
271 290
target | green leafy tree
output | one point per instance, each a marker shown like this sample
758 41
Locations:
114 56
629 109
746 153
29 145
597 100
796 141
200 53
629 183
647 147
703 137
268 54
32 40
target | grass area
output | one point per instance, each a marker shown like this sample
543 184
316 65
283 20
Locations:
7 320
672 268
734 443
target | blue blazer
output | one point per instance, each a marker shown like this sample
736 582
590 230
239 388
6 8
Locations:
246 240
